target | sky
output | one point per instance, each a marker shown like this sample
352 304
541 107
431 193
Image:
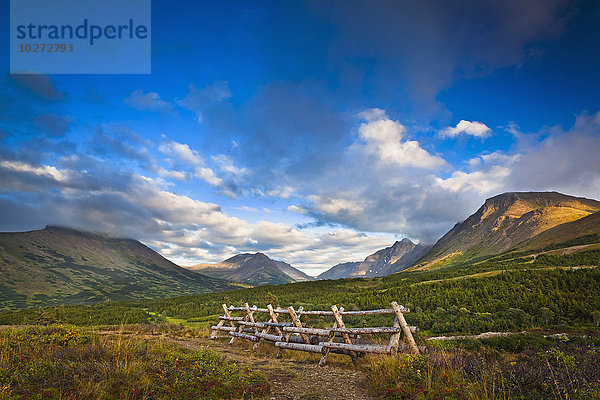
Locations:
316 132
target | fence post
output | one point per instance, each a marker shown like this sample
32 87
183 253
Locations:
340 323
405 329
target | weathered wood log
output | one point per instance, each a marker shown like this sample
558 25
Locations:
297 323
322 312
273 316
269 337
370 312
405 329
223 328
340 324
226 318
253 324
244 336
364 348
253 308
278 324
278 338
374 330
311 348
213 335
230 329
308 331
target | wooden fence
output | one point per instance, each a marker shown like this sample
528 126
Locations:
294 335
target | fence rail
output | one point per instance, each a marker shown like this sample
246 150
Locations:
295 335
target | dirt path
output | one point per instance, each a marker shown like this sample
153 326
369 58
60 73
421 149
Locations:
292 377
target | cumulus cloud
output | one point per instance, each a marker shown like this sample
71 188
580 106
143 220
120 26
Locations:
482 182
385 139
226 165
181 152
178 226
474 128
149 101
564 160
208 175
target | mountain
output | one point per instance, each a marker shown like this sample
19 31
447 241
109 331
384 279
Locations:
339 271
582 231
505 222
395 258
253 269
63 266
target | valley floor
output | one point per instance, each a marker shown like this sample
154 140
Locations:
294 376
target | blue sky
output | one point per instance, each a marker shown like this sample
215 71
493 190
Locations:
316 132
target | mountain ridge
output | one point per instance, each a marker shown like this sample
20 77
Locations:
254 269
505 221
59 265
395 258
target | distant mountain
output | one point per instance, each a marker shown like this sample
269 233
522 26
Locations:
253 269
395 258
339 271
506 222
64 266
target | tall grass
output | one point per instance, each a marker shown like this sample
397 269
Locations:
61 362
561 373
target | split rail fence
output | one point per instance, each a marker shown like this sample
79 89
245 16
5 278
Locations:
294 335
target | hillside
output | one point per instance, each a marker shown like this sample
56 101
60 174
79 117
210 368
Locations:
63 266
252 269
339 271
582 231
504 222
389 260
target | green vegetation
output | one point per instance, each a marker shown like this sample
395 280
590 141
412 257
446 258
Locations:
542 369
61 362
508 292
57 266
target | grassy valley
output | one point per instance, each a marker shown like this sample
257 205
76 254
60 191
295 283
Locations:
544 287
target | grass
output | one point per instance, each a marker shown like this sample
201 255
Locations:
63 362
543 370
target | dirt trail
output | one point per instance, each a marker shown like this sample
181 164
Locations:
291 379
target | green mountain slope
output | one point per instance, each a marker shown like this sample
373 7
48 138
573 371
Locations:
63 266
583 231
505 222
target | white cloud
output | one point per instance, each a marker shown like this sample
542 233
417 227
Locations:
207 175
284 192
46 171
384 139
227 166
482 182
295 209
182 152
336 205
474 128
150 101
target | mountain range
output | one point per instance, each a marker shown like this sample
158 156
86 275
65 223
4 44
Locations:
401 255
506 222
253 269
63 266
